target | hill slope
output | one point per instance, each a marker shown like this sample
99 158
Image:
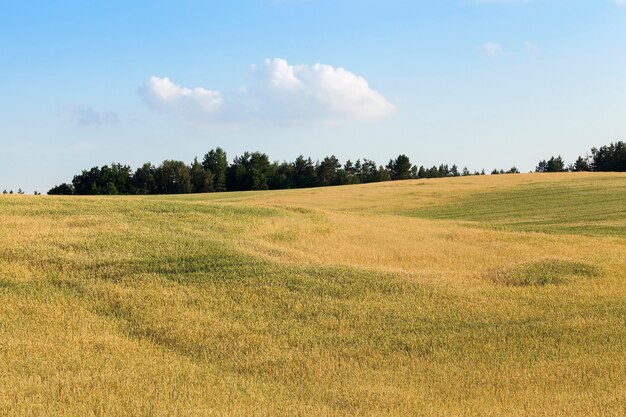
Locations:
465 296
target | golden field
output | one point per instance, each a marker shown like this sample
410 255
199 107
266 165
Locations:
487 296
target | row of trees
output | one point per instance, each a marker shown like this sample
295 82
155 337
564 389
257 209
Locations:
19 191
610 158
255 171
250 171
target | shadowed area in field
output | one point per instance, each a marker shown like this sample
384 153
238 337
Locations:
543 272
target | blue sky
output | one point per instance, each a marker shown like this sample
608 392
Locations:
483 83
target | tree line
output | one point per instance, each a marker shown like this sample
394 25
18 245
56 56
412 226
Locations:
255 171
250 171
609 158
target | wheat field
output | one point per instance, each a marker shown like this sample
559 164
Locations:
472 296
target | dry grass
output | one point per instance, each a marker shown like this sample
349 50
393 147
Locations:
470 296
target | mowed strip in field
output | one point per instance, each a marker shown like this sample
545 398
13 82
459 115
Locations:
498 295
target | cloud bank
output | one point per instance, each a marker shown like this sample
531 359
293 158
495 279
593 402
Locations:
276 91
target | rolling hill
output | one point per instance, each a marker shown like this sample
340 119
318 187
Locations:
496 295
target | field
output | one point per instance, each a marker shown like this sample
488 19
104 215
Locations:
490 296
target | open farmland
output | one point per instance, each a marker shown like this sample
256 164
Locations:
488 295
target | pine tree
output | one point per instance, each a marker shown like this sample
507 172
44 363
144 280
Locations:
216 162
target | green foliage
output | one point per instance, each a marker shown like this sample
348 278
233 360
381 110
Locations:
282 176
304 174
62 189
216 162
251 171
172 177
144 181
400 168
369 171
116 179
202 180
554 164
610 158
581 165
327 171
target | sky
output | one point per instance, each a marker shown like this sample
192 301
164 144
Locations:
477 83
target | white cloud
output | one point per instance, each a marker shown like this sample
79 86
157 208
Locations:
492 49
620 3
162 94
88 116
277 91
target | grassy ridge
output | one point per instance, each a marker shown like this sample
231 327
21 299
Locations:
582 206
385 299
